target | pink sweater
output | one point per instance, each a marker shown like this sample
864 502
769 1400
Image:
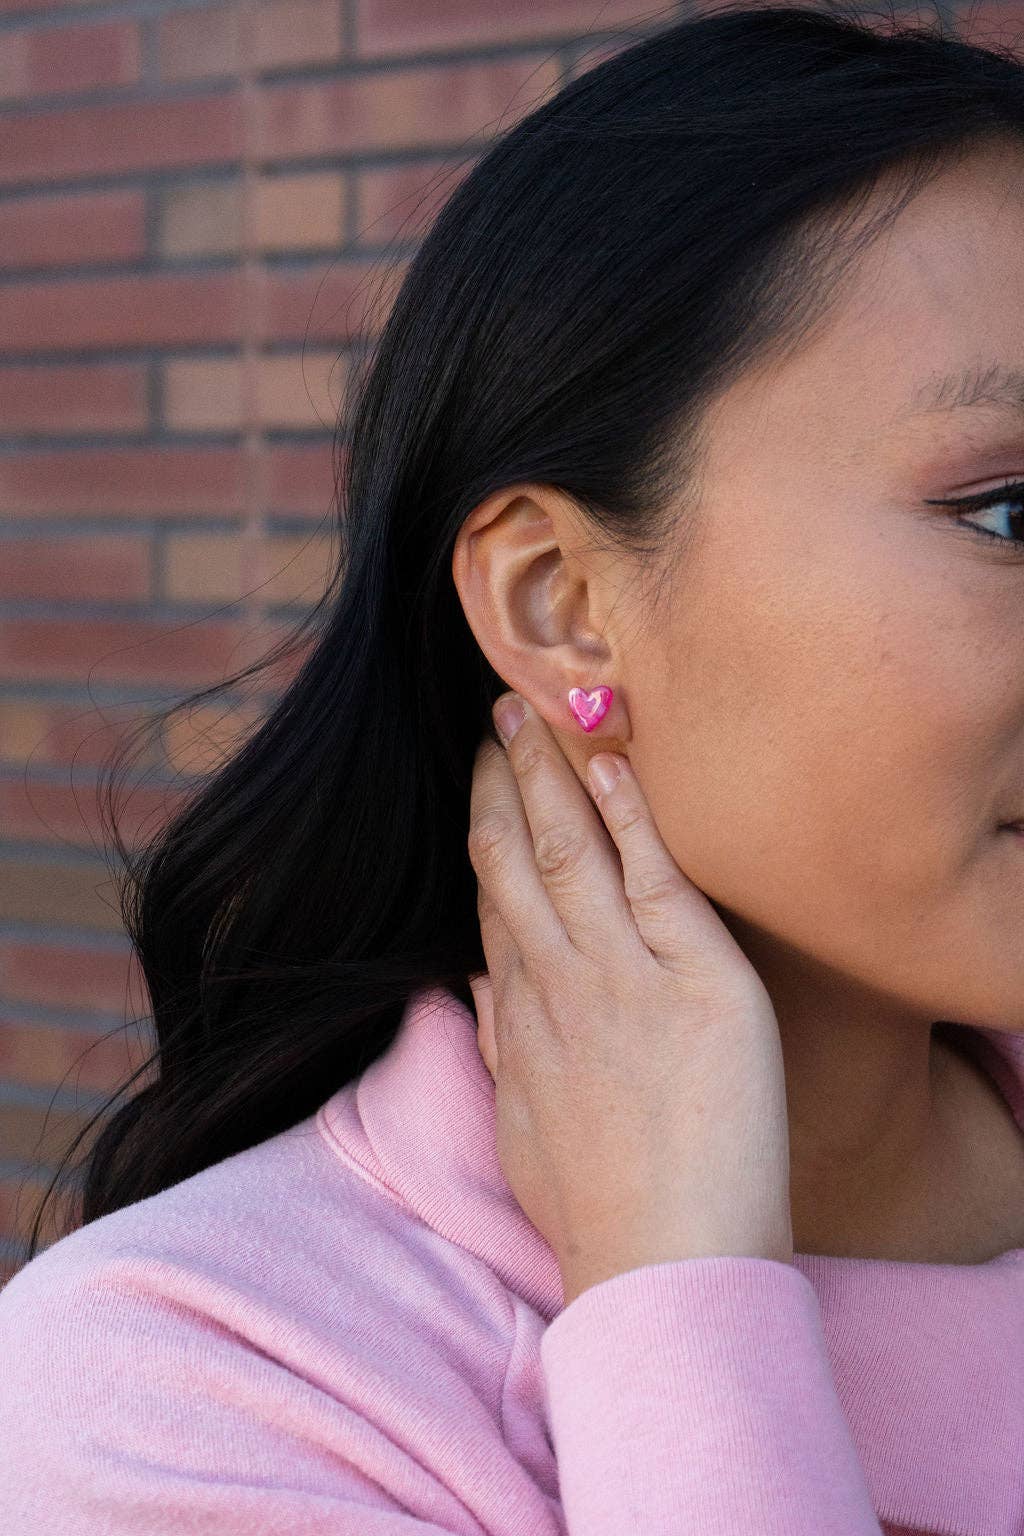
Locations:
353 1330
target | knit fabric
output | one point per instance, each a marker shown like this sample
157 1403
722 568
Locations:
351 1329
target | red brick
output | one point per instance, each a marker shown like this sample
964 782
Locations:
295 570
399 109
329 302
200 739
202 217
136 136
57 894
69 816
288 213
300 477
125 481
73 397
71 228
199 41
20 1200
401 201
62 976
41 733
596 53
38 62
38 1134
9 7
406 26
223 568
293 32
102 567
293 389
74 1060
299 212
171 309
274 679
286 33
869 17
113 650
301 389
45 813
207 567
992 24
204 394
8 1269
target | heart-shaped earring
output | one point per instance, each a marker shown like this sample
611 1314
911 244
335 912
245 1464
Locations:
590 707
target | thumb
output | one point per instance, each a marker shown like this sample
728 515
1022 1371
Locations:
483 997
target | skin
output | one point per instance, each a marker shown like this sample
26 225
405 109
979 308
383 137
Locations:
826 716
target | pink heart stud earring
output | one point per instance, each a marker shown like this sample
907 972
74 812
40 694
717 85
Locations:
590 707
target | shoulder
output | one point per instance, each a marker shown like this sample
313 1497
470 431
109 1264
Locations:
286 1227
272 1317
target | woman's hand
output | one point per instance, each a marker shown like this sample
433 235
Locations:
640 1094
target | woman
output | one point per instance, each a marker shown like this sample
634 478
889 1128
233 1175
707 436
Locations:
697 423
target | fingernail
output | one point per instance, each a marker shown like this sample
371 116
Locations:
604 773
509 714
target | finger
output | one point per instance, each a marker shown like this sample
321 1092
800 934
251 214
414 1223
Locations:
673 916
577 860
483 1000
501 852
500 990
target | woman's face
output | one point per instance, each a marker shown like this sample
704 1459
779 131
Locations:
825 707
828 714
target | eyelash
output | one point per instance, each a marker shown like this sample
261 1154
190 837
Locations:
1012 491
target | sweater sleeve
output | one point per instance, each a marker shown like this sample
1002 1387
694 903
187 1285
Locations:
683 1398
697 1396
125 1410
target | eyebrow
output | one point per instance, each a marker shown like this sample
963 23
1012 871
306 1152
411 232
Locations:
998 386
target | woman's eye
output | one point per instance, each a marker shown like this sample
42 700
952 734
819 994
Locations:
993 505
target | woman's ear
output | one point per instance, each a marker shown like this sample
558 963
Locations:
534 595
483 999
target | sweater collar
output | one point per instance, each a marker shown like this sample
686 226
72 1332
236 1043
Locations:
927 1359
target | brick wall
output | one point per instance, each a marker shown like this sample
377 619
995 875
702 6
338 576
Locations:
197 205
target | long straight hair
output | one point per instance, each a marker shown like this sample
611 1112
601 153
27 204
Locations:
604 270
